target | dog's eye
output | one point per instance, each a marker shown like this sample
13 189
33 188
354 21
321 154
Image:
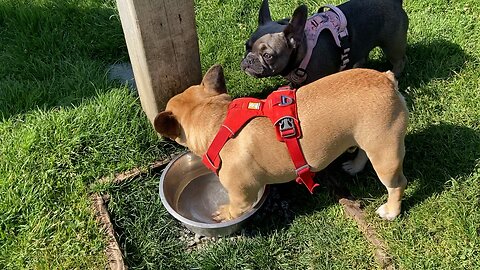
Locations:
267 56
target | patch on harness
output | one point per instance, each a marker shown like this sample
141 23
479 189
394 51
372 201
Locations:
254 105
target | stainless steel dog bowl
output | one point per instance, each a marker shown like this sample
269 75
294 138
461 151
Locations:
191 193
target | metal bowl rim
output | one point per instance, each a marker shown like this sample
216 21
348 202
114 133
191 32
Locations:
201 224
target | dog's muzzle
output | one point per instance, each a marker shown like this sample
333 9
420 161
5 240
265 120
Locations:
252 66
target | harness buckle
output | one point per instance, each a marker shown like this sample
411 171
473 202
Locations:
301 173
300 72
287 127
297 76
285 100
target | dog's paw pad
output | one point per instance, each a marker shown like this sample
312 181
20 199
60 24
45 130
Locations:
217 217
222 214
351 168
384 212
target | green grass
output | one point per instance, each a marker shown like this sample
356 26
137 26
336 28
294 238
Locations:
63 125
316 236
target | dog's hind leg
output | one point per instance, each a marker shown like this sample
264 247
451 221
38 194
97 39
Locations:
388 163
360 63
395 51
357 164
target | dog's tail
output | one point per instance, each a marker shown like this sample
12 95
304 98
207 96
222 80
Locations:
392 78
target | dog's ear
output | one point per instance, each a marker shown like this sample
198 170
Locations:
167 125
264 14
294 31
214 80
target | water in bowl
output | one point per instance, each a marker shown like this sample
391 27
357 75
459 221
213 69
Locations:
201 198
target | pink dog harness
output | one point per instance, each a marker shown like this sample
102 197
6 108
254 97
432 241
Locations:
281 107
335 21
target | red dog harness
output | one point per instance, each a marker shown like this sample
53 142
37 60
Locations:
280 106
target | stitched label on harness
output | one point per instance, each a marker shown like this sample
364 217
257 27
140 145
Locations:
254 105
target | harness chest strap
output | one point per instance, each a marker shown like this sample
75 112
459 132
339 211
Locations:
240 111
280 107
335 21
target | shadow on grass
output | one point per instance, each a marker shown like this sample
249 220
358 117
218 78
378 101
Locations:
438 154
148 235
434 156
55 54
427 60
290 200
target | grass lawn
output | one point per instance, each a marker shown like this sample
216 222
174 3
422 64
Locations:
63 125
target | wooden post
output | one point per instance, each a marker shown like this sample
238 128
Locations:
162 44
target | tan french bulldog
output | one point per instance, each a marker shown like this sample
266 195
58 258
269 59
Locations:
358 107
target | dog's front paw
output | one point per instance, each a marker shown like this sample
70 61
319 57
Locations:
387 214
351 167
222 214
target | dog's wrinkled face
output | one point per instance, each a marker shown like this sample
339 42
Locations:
267 51
270 48
174 122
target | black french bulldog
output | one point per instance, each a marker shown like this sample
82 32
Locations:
278 47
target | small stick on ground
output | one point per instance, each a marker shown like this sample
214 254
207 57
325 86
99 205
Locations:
113 252
353 210
120 177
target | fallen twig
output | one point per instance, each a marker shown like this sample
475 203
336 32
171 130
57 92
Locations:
113 252
120 177
353 210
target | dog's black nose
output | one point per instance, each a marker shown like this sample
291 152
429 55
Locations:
247 62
